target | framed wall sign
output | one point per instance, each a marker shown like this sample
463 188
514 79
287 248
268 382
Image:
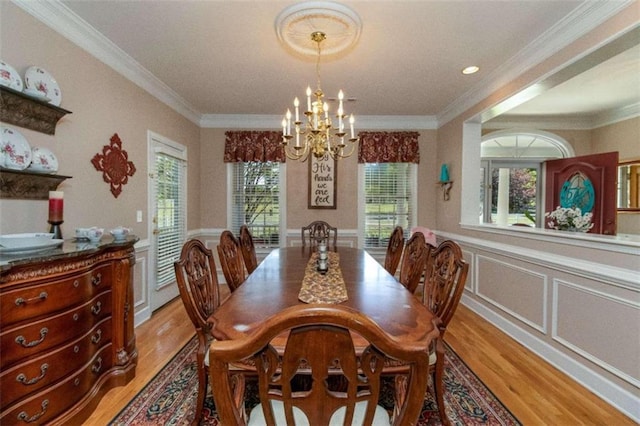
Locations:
322 182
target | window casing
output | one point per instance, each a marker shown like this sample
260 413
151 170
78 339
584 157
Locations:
256 191
388 198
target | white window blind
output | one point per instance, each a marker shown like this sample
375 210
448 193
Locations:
389 200
170 214
255 201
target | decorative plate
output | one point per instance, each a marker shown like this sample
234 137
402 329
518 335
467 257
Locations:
9 77
43 161
45 245
36 94
40 80
15 152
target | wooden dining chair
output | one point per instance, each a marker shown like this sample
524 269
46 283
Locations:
319 230
445 277
231 260
198 285
320 347
394 250
248 249
414 259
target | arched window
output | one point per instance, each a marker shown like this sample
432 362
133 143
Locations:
511 166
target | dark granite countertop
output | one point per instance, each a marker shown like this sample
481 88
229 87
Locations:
69 249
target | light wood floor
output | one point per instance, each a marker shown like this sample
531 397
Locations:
535 392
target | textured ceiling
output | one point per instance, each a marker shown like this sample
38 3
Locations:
224 57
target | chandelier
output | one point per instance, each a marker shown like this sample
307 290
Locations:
317 134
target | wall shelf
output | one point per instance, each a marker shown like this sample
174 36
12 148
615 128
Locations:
23 185
30 113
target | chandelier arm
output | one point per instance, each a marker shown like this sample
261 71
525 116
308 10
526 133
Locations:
318 138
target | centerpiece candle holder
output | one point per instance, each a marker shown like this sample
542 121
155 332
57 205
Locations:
323 257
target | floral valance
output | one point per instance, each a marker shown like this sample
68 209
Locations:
388 147
244 146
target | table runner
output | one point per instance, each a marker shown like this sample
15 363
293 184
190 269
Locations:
319 288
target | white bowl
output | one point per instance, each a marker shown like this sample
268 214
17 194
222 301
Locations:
95 234
15 241
119 233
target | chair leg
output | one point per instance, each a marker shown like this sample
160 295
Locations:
202 390
439 382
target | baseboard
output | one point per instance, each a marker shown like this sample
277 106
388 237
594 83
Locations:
141 316
623 400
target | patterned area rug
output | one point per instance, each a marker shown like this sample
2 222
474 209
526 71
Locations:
169 398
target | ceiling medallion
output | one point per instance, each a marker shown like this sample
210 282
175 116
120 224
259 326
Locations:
341 25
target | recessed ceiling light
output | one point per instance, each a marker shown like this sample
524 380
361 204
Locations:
470 70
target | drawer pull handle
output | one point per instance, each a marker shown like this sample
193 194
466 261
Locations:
97 366
96 337
97 308
41 297
76 283
23 379
97 280
21 340
25 417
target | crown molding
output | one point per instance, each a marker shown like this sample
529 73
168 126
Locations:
582 20
64 21
369 122
583 122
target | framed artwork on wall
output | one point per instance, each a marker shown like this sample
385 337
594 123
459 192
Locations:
323 179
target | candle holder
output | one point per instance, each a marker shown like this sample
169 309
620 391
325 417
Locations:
55 229
446 188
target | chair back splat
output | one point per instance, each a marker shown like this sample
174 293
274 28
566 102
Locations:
319 230
319 379
231 260
414 259
198 285
445 277
248 249
394 250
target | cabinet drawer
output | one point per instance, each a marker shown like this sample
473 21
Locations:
28 340
48 297
35 374
55 400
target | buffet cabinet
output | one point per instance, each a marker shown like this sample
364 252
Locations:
67 332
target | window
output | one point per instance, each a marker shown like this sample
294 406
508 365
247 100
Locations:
389 197
170 214
255 200
510 192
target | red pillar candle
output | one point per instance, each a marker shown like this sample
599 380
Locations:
56 199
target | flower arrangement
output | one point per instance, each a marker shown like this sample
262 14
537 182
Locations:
569 219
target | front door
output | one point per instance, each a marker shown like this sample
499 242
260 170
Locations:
588 182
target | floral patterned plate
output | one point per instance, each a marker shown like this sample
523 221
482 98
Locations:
43 161
15 152
9 77
39 79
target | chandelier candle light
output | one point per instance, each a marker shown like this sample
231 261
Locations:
317 137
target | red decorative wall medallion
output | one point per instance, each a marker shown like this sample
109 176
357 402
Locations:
114 164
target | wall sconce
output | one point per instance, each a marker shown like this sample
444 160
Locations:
444 182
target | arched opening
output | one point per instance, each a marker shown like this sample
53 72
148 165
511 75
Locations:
511 181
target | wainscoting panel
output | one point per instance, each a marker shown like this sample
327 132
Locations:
140 283
517 291
603 325
592 309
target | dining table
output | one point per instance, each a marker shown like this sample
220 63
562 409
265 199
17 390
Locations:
288 276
